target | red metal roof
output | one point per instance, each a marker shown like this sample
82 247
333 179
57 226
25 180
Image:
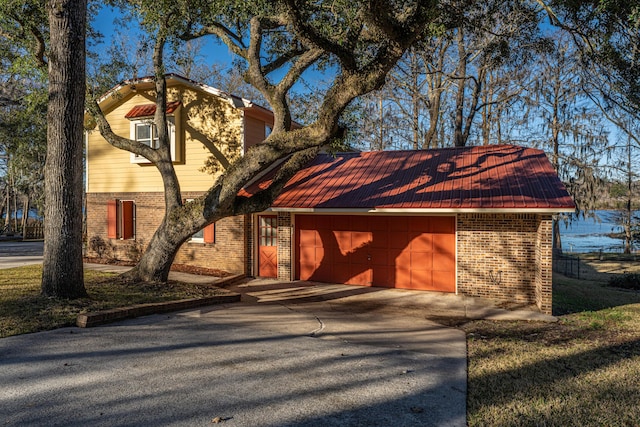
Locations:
486 177
149 110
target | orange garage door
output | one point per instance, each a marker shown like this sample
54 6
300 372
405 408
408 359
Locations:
390 251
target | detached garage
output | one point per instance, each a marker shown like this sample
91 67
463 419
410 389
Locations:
470 220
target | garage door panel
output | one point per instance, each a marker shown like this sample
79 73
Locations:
421 279
307 254
422 260
418 224
400 252
403 278
403 259
443 281
398 223
442 224
381 257
379 223
306 270
444 243
443 262
398 240
359 275
308 237
341 223
360 239
342 239
379 239
422 242
383 276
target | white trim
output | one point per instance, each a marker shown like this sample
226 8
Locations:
455 233
130 84
171 125
424 211
86 162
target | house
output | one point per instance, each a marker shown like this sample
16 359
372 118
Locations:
474 221
124 192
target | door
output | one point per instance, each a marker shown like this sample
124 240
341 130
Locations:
400 252
268 246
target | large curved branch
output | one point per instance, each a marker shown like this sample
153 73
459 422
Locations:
305 60
228 37
262 200
310 36
40 46
117 141
172 193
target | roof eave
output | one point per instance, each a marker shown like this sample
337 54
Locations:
422 210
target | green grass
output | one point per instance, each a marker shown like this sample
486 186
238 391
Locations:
583 370
24 310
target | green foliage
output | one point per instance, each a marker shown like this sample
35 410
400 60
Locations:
626 281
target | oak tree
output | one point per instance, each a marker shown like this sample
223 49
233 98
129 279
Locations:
277 41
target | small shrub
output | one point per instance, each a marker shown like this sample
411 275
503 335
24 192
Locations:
134 250
626 281
102 248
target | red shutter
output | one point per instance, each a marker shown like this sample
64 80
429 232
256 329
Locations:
112 215
128 229
210 233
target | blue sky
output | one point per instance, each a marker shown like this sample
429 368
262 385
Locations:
104 22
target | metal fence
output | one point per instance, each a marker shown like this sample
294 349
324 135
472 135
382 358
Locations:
33 231
567 265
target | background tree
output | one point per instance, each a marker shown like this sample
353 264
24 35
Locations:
569 125
22 111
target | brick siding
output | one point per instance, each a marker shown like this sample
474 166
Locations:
506 257
228 253
285 242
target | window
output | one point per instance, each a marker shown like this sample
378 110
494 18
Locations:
145 132
268 231
206 235
121 219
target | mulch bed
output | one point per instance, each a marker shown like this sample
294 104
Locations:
183 268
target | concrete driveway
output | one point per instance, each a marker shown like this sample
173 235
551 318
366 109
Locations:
244 364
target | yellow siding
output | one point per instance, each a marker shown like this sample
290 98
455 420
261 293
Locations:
201 117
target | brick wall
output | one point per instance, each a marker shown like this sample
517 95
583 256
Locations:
505 257
285 233
544 267
228 253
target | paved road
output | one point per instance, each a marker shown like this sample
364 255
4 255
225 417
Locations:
17 254
248 364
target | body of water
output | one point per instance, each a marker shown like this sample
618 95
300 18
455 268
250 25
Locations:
592 235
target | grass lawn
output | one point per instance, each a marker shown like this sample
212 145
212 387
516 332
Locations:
583 370
24 310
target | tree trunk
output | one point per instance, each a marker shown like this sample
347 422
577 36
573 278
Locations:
557 237
25 215
62 274
461 76
155 262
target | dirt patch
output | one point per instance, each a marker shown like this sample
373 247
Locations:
183 268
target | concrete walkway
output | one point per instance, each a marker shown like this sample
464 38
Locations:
437 306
